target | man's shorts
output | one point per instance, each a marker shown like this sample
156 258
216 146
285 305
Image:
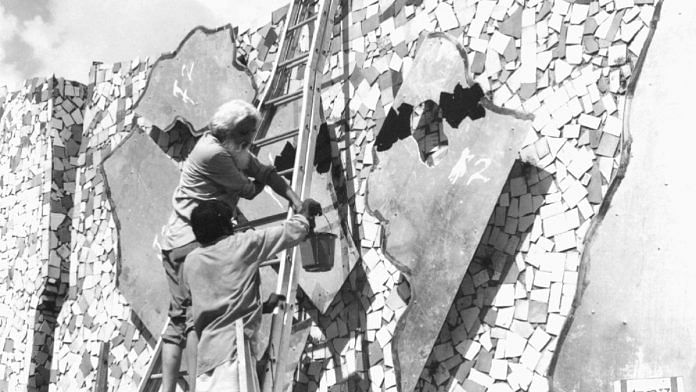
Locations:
173 260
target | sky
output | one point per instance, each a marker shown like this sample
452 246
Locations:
63 37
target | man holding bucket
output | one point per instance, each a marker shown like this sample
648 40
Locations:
221 283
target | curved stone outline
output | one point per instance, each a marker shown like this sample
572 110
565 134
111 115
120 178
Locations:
171 55
401 323
138 220
626 141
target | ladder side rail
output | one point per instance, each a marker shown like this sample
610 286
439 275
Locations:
285 328
154 363
285 269
290 49
290 17
308 128
278 318
302 175
299 166
304 137
278 81
309 120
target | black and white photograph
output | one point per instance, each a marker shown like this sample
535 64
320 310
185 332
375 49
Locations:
347 196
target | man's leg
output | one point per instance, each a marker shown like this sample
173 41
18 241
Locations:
192 358
174 337
171 361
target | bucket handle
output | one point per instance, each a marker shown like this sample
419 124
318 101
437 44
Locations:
312 224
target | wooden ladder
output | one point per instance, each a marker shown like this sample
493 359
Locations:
152 379
315 17
311 19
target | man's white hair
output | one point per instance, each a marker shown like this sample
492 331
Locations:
227 118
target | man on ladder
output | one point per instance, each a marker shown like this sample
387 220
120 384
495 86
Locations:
222 283
219 168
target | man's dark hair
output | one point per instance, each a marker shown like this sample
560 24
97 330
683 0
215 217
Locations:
211 220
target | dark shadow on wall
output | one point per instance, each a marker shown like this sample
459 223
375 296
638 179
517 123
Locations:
177 143
344 329
55 291
45 324
325 149
473 304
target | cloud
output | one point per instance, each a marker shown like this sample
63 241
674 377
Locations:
78 32
245 14
10 75
25 10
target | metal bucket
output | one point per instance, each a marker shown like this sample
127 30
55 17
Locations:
318 252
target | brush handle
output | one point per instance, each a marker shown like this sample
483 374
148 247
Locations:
312 224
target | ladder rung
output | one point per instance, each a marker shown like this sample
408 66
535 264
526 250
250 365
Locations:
270 262
284 172
157 376
304 22
273 139
262 221
294 61
284 98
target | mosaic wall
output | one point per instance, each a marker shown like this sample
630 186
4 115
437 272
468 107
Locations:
95 311
569 64
41 132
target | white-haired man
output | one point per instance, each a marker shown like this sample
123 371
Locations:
220 167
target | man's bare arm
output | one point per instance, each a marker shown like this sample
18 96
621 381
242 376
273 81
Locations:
282 188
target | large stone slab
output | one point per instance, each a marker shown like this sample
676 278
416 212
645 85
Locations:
435 214
436 219
141 180
190 83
